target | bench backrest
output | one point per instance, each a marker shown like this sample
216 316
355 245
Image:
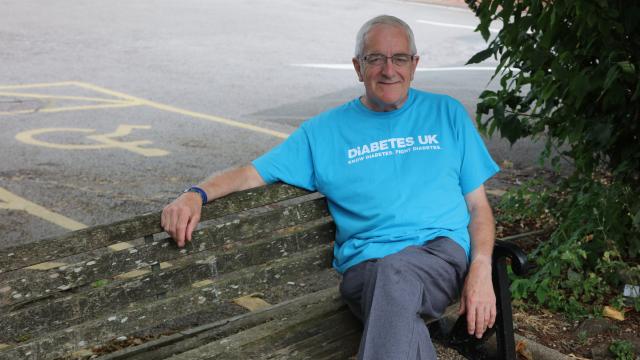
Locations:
77 294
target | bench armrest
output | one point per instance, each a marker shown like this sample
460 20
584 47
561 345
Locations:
505 249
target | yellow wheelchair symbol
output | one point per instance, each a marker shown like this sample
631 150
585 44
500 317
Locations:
105 141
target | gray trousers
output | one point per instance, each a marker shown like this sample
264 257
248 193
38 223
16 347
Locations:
390 294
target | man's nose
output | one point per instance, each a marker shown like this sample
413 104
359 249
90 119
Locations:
387 68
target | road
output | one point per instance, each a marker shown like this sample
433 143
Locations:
109 109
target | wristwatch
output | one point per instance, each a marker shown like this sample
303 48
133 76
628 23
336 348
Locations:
198 190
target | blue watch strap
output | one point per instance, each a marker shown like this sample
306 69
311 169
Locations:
195 189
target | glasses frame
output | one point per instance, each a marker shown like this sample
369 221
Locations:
386 59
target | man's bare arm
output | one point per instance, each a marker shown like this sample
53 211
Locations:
478 298
181 216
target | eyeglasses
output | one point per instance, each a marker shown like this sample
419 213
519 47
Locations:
399 60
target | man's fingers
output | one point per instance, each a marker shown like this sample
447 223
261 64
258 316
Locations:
182 226
471 320
480 323
193 222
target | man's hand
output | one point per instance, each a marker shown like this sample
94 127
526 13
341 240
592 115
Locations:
478 299
180 218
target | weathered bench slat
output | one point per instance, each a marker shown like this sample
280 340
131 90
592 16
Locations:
20 256
333 343
201 335
224 348
192 270
28 284
312 338
137 316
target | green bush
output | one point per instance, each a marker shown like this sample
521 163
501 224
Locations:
589 256
569 75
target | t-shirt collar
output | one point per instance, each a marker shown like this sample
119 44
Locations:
407 104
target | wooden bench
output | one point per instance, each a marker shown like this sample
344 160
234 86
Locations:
255 282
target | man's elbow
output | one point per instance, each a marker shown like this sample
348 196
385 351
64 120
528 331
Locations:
251 177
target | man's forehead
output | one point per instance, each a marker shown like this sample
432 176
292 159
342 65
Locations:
383 36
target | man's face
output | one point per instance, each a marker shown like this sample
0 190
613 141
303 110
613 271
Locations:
386 85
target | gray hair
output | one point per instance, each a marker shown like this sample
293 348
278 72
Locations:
386 20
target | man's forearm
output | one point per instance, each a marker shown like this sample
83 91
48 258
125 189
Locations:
482 232
230 181
478 299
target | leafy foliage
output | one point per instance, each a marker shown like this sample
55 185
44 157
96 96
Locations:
622 350
570 75
588 257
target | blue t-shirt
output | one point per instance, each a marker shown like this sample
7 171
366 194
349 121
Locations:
392 179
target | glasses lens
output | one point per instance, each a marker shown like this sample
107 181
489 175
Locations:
401 59
375 59
379 59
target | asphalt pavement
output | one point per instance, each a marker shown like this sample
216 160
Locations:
109 109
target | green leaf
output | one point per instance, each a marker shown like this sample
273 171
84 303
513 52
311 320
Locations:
627 67
541 294
483 27
480 56
612 75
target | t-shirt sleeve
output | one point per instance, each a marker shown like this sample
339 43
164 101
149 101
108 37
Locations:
290 162
477 166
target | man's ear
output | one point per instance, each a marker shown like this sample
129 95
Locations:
356 65
414 65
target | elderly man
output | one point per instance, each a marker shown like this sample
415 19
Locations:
403 172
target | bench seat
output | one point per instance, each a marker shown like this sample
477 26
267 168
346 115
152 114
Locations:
255 282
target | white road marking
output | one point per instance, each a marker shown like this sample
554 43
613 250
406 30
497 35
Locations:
350 67
443 7
435 23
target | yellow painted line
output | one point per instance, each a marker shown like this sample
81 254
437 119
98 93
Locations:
46 266
61 97
120 246
133 146
202 283
39 85
165 265
89 107
132 274
106 141
14 202
28 137
177 110
71 108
